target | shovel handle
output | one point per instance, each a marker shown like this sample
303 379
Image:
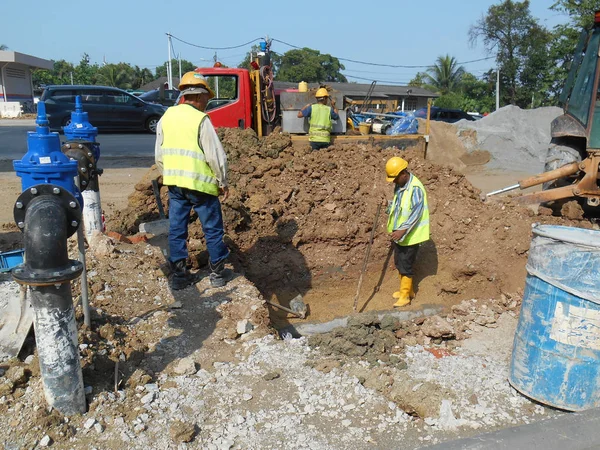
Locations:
155 188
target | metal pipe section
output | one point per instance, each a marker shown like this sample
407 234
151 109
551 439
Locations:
48 211
45 234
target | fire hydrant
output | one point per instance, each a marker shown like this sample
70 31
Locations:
48 211
81 146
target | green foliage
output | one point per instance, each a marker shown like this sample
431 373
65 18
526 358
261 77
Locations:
418 80
444 76
186 66
452 100
479 95
521 46
119 75
3 47
311 66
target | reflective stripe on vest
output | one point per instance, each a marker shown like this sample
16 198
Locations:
420 232
184 163
320 123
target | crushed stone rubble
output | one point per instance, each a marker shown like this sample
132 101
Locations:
290 393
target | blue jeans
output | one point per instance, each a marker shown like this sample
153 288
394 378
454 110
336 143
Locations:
208 208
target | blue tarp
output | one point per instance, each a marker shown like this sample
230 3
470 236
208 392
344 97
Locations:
406 123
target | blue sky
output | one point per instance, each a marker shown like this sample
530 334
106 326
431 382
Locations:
389 32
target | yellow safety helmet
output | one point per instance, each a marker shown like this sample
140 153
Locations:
322 92
191 81
394 166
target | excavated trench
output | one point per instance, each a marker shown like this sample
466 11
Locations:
298 222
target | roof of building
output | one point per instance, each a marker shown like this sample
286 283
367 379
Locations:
28 60
361 90
156 84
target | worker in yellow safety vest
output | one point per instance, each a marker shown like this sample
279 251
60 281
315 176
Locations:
320 120
193 164
408 224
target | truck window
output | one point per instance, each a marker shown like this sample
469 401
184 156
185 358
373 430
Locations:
225 88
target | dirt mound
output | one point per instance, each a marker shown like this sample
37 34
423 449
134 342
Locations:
297 217
516 138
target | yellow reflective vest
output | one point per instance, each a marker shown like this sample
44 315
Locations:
184 164
320 123
420 232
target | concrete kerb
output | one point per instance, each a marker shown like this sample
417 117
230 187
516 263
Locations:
17 122
576 431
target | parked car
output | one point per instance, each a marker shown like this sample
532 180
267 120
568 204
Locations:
169 97
108 108
443 114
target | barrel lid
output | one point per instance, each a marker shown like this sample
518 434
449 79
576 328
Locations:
570 235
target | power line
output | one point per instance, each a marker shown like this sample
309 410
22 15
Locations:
378 81
395 66
216 48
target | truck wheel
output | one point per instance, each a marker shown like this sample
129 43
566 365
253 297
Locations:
562 151
151 124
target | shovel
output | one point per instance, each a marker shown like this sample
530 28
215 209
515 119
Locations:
297 307
157 227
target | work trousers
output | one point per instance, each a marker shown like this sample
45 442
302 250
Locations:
404 258
319 145
208 208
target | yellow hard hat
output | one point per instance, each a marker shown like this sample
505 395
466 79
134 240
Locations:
394 166
191 81
322 92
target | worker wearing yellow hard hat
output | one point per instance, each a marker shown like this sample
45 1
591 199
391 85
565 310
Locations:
193 164
408 224
321 117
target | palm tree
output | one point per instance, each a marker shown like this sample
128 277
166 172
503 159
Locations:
114 75
445 75
3 47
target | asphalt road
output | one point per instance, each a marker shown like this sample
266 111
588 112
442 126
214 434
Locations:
13 145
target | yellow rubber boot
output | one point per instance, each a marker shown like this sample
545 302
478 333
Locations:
405 291
397 293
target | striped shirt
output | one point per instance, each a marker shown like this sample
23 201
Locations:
416 206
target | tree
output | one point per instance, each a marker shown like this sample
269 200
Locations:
118 75
141 77
186 66
3 47
509 29
418 80
478 95
311 66
444 76
84 72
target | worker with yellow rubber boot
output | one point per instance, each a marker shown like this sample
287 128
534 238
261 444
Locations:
408 224
320 120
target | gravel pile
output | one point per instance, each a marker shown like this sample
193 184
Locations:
516 138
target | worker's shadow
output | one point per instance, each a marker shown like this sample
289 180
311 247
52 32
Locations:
277 268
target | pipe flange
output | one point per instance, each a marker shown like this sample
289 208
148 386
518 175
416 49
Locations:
67 199
47 277
83 153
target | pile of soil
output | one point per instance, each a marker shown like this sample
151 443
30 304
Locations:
296 218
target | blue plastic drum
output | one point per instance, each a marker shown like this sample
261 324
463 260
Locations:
556 352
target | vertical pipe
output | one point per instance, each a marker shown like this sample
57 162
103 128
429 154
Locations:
85 302
56 339
169 72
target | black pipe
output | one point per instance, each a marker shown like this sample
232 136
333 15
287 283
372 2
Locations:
45 234
46 256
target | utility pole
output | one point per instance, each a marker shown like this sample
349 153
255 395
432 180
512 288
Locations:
169 70
216 78
71 78
179 66
497 88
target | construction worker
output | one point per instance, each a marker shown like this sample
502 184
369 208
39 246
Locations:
408 224
194 166
320 120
